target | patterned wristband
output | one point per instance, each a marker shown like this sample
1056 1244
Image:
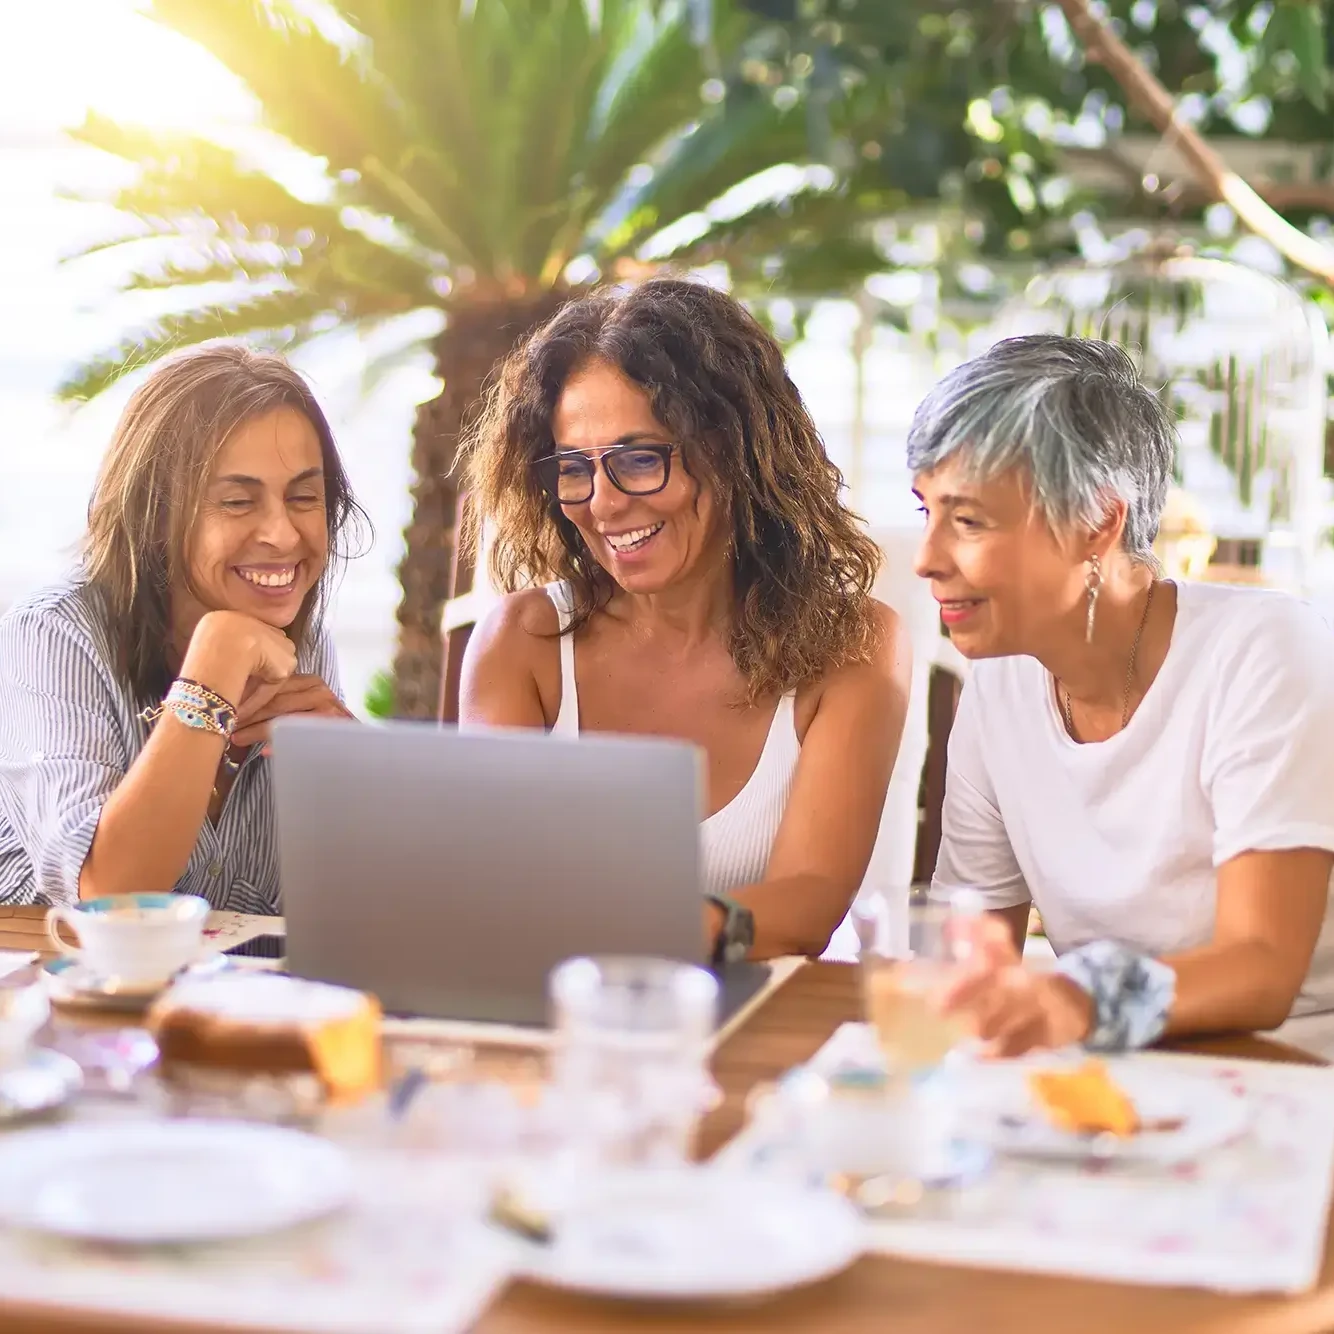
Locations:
197 707
1132 993
186 685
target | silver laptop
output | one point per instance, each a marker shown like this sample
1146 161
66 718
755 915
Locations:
447 872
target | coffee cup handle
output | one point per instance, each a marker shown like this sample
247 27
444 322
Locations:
54 917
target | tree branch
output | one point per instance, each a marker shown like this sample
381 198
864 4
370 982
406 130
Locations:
1153 101
1308 196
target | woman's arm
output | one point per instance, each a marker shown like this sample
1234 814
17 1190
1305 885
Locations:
1270 909
150 823
833 815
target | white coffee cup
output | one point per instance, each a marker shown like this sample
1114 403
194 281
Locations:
135 940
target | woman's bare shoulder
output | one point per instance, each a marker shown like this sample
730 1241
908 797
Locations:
511 669
878 679
517 620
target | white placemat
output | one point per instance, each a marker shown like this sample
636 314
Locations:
1249 1216
223 930
402 1258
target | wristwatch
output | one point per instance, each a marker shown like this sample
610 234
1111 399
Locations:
737 935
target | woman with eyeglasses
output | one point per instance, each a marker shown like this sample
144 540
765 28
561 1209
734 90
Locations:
678 562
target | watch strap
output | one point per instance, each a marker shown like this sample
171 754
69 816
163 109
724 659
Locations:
737 934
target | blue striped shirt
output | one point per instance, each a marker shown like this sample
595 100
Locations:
69 731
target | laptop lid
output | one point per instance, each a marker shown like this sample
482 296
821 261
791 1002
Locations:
447 871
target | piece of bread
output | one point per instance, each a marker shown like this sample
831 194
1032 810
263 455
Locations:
1085 1100
268 1024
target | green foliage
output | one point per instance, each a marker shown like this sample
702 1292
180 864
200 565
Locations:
457 152
379 698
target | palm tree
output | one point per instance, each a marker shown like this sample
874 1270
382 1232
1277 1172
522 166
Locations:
486 158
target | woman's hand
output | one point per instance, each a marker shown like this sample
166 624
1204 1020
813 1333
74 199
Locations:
229 649
1010 1008
296 694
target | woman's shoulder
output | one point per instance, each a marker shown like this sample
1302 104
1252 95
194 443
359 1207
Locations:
519 617
70 606
885 667
520 632
1251 623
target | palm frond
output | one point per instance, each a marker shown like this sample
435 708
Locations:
725 147
809 215
810 267
650 91
282 320
181 175
234 217
324 99
423 54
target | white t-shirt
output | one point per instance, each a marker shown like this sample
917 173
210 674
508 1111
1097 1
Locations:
1231 750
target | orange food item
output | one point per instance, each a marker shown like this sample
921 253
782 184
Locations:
271 1024
1086 1100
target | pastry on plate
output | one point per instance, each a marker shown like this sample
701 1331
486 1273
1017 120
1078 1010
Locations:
1085 1101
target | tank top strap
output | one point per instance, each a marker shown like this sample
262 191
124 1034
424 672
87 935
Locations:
567 718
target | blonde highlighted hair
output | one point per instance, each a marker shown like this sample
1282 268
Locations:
147 499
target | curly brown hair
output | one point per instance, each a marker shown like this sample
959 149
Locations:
802 567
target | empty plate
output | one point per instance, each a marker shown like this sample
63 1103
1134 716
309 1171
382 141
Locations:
42 1081
694 1233
146 1182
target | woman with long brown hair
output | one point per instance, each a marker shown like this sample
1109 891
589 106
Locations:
679 562
136 695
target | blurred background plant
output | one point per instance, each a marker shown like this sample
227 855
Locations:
477 161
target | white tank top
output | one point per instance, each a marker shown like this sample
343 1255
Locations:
736 841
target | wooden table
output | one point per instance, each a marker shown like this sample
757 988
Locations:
878 1293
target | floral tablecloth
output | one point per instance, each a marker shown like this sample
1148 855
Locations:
1247 1216
402 1257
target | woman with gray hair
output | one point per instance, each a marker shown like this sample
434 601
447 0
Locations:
1151 764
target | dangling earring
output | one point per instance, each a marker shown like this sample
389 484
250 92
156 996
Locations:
1093 586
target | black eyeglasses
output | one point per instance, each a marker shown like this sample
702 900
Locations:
635 470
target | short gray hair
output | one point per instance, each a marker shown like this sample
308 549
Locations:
1074 413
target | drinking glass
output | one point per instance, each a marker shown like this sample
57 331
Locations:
902 993
924 1050
630 1057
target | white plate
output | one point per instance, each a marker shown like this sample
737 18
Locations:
146 1182
1207 1112
693 1234
41 1082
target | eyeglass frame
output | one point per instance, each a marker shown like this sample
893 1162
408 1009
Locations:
664 452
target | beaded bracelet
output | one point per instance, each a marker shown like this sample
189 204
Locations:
196 706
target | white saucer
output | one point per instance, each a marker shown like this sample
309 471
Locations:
41 1082
153 1182
694 1233
72 983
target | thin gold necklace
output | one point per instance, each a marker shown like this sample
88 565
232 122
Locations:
1130 674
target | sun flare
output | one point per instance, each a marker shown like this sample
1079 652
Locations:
64 58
